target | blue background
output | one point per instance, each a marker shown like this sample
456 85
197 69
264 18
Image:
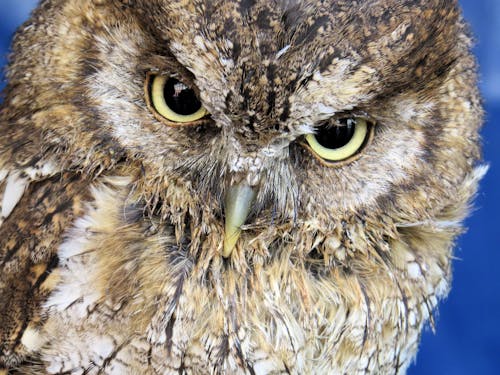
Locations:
468 325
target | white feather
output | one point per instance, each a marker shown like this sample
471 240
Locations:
3 174
414 270
103 346
32 339
282 51
45 169
16 185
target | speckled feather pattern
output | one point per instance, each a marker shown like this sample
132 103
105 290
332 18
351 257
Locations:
112 223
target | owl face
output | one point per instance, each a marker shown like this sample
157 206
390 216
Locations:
312 160
271 89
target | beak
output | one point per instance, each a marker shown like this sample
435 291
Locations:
239 200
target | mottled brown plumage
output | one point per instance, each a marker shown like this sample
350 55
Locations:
112 218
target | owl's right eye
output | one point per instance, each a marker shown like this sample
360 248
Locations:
172 100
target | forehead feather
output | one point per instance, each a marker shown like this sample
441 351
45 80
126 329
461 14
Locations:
366 47
268 26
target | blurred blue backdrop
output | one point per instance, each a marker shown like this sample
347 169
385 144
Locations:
468 326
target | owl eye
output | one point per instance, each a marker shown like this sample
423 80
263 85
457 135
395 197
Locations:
173 100
339 142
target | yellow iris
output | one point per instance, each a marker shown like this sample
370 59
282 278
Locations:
159 103
345 151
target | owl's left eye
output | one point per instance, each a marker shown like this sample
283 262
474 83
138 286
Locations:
340 142
173 100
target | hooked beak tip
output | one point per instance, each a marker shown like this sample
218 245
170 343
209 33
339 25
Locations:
230 241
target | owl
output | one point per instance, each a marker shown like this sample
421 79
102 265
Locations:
232 187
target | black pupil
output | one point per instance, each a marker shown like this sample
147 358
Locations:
333 137
180 98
